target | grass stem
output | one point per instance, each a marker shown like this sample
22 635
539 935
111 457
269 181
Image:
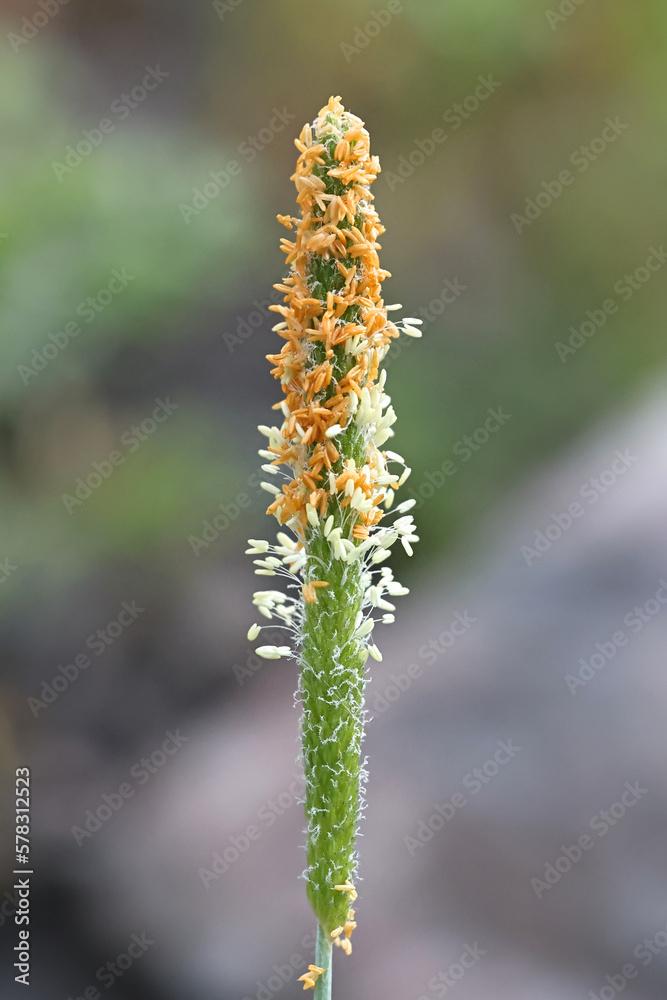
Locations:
323 954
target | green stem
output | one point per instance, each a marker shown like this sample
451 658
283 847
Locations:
323 952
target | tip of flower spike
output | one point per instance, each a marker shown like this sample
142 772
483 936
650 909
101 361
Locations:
334 105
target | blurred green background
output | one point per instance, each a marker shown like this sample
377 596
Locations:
191 325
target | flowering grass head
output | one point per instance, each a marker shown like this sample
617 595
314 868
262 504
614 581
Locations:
333 483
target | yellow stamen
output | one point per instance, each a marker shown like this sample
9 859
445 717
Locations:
310 978
347 888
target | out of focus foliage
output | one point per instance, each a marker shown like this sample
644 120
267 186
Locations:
65 402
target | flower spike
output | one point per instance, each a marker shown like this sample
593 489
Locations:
336 493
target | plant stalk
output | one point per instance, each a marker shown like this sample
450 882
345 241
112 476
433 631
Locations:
323 955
